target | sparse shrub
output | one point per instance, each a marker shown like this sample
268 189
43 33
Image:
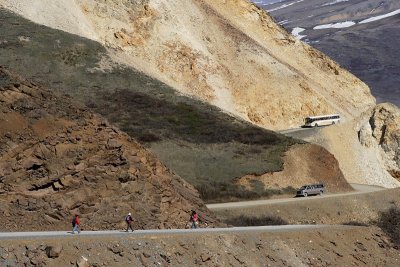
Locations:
290 190
91 104
226 191
255 150
389 222
149 137
243 220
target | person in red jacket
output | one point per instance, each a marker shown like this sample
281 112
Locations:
75 225
194 220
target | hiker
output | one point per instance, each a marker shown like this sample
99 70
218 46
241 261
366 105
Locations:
194 220
129 220
75 224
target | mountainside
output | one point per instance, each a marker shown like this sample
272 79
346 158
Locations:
204 145
229 53
362 35
58 159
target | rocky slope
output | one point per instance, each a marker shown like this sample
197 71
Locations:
229 53
366 148
199 142
57 159
382 131
339 246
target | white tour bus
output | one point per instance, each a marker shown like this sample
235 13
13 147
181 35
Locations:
316 121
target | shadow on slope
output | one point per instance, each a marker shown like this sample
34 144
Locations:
198 141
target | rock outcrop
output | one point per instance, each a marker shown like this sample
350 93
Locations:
366 148
382 130
57 159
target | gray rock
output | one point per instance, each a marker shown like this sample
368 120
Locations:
82 262
54 251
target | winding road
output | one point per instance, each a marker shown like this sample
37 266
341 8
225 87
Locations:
359 189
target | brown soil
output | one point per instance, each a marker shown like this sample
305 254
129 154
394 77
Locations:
336 246
304 164
57 159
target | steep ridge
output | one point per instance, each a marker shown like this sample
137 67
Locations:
57 159
229 53
198 141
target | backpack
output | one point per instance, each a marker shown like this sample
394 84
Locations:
73 222
193 218
128 218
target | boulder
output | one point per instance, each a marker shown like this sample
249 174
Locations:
82 262
54 251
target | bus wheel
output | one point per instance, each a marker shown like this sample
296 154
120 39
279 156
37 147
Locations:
333 123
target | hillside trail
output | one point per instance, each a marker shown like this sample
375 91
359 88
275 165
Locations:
359 189
168 232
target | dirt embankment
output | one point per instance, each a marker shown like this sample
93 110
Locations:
304 164
57 159
349 246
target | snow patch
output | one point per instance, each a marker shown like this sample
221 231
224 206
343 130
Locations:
296 33
285 5
266 2
380 17
338 25
283 22
334 2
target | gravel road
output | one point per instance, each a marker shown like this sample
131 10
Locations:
155 233
359 189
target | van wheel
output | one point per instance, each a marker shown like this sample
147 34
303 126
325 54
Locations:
305 194
333 123
316 125
321 192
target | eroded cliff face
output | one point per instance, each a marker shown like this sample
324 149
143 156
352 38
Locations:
382 131
229 53
366 148
57 159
